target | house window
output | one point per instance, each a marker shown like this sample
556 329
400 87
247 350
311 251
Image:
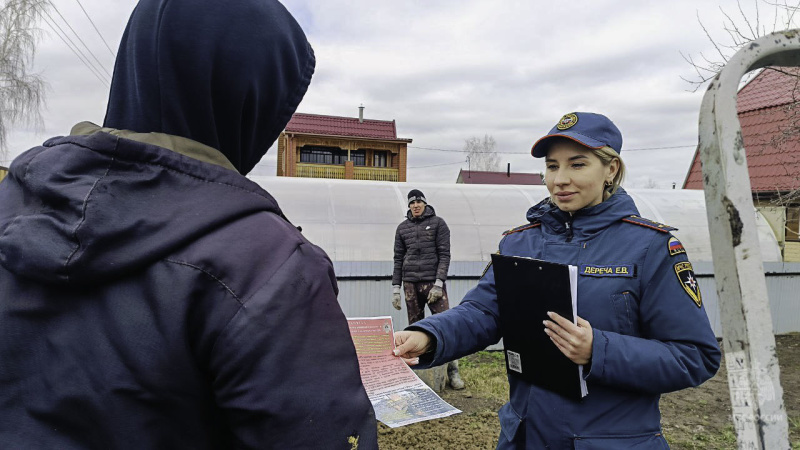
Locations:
379 159
322 155
793 224
359 157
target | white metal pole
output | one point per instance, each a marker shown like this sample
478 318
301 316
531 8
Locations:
759 415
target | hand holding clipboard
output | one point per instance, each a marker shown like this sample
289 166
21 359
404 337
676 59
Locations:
527 289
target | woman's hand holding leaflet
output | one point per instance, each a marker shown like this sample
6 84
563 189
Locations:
411 344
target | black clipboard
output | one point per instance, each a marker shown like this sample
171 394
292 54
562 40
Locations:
526 290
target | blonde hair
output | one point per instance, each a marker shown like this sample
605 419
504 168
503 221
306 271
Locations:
606 155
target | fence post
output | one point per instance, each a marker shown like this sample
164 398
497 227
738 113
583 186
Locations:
759 415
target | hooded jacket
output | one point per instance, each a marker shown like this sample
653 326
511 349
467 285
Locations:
153 297
650 334
421 248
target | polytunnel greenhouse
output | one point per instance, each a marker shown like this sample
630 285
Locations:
355 221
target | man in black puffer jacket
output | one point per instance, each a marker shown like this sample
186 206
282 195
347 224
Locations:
421 260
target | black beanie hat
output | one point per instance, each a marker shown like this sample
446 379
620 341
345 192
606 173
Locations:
416 194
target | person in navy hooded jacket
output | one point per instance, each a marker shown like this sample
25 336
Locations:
641 329
154 297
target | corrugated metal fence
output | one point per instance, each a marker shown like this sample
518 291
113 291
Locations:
365 290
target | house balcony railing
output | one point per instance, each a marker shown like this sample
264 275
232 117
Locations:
305 170
374 174
320 171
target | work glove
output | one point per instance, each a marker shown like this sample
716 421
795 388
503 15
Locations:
396 297
436 292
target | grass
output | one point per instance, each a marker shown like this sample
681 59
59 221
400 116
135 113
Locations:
703 440
484 374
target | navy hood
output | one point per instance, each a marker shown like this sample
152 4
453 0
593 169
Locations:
85 210
226 74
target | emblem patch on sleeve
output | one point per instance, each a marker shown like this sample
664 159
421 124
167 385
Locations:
675 247
689 281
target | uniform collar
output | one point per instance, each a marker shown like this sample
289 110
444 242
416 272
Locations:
585 222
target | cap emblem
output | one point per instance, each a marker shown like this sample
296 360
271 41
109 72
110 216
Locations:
568 121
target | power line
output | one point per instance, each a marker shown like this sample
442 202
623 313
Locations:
53 25
436 165
95 29
525 153
51 22
81 40
659 148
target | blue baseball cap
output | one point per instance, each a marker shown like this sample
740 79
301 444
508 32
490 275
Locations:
588 129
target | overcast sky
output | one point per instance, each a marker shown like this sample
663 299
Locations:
450 70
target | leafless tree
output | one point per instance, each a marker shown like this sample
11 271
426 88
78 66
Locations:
739 29
650 184
21 90
790 132
482 154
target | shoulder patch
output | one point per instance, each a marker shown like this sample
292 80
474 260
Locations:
674 246
521 228
641 221
688 280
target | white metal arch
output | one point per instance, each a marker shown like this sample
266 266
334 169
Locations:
753 374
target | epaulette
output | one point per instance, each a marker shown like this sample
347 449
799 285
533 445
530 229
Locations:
527 226
641 221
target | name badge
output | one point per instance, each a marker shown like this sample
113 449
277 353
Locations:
608 270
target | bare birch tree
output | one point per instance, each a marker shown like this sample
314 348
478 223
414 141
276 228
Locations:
482 153
21 90
739 29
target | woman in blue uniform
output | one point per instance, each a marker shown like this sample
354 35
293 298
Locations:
641 330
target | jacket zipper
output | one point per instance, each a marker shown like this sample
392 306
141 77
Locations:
568 224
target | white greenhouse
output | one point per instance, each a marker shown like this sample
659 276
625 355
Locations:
355 222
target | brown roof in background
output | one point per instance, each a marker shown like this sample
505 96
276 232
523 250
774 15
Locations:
769 118
343 126
482 177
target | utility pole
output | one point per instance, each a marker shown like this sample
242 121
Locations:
759 415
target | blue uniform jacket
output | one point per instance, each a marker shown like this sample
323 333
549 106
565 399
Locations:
651 334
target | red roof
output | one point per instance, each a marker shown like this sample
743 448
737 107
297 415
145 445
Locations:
770 88
481 177
767 114
343 126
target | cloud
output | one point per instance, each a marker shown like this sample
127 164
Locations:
449 70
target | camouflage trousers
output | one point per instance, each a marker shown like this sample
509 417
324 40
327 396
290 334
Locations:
417 298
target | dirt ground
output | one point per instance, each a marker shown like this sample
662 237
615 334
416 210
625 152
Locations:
698 418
